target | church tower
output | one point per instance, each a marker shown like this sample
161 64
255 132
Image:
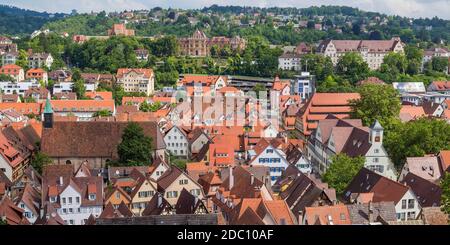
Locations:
48 114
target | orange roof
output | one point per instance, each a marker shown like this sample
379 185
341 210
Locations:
333 99
447 102
105 95
445 159
24 108
328 109
82 105
53 190
229 89
221 152
205 79
365 197
280 211
447 113
280 84
39 71
335 103
412 111
92 188
146 72
10 69
141 116
328 215
289 121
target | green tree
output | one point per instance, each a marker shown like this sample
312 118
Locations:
445 199
341 171
79 88
22 60
377 102
135 148
102 113
394 64
352 67
416 138
4 77
39 160
318 65
439 64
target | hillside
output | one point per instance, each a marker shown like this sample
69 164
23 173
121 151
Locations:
16 21
287 26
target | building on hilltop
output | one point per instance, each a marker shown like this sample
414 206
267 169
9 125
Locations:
200 45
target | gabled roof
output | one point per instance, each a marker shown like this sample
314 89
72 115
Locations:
426 167
322 104
428 194
444 160
302 191
434 216
169 177
115 189
92 139
384 189
147 73
157 205
31 198
188 203
50 216
242 185
12 213
327 215
360 213
110 212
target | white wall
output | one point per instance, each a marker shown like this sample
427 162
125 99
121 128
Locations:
176 142
409 195
277 164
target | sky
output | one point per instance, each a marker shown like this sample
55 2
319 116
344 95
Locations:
409 8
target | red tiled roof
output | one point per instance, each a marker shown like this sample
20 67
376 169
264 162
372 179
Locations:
24 108
104 95
445 160
335 103
82 105
10 69
328 215
146 72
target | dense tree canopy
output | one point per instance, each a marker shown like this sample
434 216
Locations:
377 102
135 148
341 171
417 138
352 67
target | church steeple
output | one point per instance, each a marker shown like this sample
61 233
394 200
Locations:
376 133
48 114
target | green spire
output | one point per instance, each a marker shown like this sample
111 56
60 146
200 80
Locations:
48 106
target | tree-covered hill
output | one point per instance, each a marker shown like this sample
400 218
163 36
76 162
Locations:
16 21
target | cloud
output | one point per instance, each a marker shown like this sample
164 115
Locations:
410 8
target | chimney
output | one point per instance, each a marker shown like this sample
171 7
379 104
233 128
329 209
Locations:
61 180
32 175
159 200
230 177
300 217
252 179
371 212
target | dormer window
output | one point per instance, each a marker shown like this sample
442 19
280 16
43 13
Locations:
91 197
52 199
